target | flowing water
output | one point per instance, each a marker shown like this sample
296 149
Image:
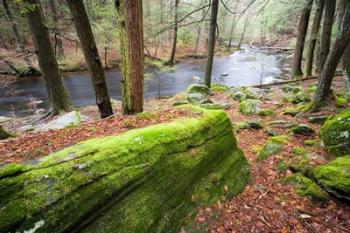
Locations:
250 66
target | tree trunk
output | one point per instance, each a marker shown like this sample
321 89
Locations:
173 49
233 25
313 37
246 21
16 35
341 42
326 32
346 56
92 58
89 8
58 98
302 30
132 56
211 41
199 30
58 41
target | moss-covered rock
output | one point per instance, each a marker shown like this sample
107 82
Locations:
335 134
215 106
244 93
197 98
145 180
250 125
266 112
335 177
219 87
311 142
291 88
317 119
272 146
306 187
197 88
249 107
4 134
302 129
296 98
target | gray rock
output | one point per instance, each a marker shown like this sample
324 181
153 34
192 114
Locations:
4 119
197 98
69 119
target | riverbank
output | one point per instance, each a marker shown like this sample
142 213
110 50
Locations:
266 205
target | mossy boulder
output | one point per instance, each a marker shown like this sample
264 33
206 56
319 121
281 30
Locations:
252 124
296 98
218 87
335 134
273 145
334 177
197 88
340 101
266 112
291 88
197 98
249 106
145 180
317 119
306 187
4 134
302 129
244 93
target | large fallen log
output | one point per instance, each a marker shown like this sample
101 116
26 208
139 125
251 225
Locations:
146 180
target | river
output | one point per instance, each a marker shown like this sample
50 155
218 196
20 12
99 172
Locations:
250 66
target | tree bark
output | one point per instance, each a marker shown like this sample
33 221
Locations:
326 32
16 35
58 98
346 55
58 41
199 30
313 37
132 56
233 25
173 49
341 42
211 41
246 21
92 58
302 30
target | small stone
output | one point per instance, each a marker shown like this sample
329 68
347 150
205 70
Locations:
317 119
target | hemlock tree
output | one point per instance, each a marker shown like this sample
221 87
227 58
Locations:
15 32
173 48
346 55
58 98
329 11
341 42
58 41
211 41
313 37
302 30
131 52
92 58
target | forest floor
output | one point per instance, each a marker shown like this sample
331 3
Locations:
266 205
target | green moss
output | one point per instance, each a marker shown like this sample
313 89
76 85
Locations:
335 176
266 112
201 89
4 134
340 102
291 88
214 106
306 187
219 87
250 125
335 134
299 150
296 98
273 145
282 166
302 129
145 180
311 142
249 106
317 119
